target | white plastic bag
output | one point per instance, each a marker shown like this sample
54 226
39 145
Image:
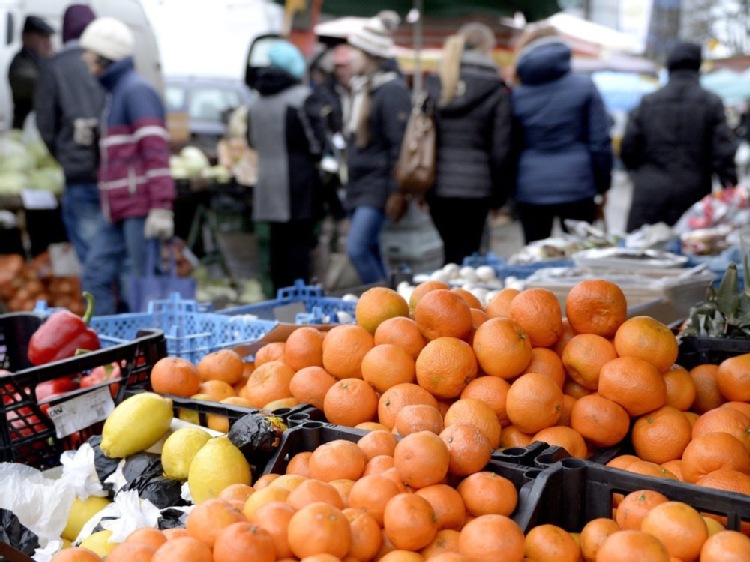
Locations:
124 515
79 472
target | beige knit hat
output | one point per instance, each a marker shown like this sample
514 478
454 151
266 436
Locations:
376 35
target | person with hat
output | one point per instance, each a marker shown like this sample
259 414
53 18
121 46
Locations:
68 104
674 142
23 72
380 109
135 181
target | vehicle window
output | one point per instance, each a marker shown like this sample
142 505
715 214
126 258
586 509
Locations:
8 28
175 98
209 103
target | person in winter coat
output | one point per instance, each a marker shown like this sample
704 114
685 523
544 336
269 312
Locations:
562 145
473 141
285 128
68 104
135 181
675 140
380 109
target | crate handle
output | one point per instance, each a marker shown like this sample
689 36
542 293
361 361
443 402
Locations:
13 555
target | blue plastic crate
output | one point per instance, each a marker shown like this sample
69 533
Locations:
476 260
318 307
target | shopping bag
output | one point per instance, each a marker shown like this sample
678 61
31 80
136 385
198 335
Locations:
158 287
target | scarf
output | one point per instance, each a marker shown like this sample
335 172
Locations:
362 88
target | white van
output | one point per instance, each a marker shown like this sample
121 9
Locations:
131 12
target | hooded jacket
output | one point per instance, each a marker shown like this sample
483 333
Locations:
675 140
561 130
473 133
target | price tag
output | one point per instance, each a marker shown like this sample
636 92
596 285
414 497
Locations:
81 412
38 199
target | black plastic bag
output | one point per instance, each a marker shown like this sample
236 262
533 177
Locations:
103 464
162 492
172 518
141 468
257 435
16 534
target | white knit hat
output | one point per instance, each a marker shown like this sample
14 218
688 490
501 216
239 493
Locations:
109 38
376 35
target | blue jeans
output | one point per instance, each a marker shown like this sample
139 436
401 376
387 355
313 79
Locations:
112 247
81 216
363 244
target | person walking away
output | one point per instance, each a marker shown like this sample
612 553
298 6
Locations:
68 103
23 72
135 183
287 132
380 109
562 145
674 142
473 143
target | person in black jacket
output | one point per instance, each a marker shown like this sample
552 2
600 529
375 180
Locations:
68 104
380 109
675 140
473 142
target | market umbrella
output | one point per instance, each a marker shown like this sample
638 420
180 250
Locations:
622 91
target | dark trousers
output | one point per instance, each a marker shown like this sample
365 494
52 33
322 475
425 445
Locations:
290 246
537 220
460 223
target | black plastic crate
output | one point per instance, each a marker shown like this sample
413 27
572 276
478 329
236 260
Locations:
698 350
536 454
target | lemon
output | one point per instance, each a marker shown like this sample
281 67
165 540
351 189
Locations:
66 544
179 450
136 424
98 543
191 416
80 512
216 465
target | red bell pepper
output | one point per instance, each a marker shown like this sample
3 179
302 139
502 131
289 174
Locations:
101 374
53 388
62 334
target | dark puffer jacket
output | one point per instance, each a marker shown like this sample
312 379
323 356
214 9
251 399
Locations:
674 142
473 133
561 129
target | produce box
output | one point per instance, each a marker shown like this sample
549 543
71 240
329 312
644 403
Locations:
503 269
697 350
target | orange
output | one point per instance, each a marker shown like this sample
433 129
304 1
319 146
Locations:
366 535
418 417
511 436
304 348
221 423
444 543
726 546
274 518
679 527
422 459
743 407
393 475
310 384
442 313
337 459
635 384
171 534
152 537
726 479
376 443
401 556
713 451
632 546
217 390
567 334
493 392
448 505
490 538
262 497
311 491
680 388
565 437
266 480
572 388
183 548
675 467
648 339
635 506
550 542
733 378
445 366
478 414
344 347
409 520
403 332
387 365
546 362
273 351
537 312
502 348
173 375
281 404
344 488
534 402
488 493
622 461
379 464
593 534
469 448
499 305
372 493
371 426
449 557
319 528
298 464
568 403
76 554
707 395
131 552
596 306
268 382
468 297
395 398
208 519
378 304
724 420
584 357
236 492
422 289
349 402
288 481
649 468
223 365
661 435
478 317
245 541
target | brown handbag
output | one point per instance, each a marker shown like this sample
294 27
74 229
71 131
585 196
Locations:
415 169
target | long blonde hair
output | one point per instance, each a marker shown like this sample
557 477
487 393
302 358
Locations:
472 36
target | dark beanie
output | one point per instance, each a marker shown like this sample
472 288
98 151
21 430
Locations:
685 56
75 20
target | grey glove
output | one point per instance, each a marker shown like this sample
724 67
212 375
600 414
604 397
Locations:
159 224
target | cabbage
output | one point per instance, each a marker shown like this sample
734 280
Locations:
14 157
11 183
194 160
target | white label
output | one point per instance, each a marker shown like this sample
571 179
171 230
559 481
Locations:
81 412
38 199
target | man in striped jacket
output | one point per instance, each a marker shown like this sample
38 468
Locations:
135 182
